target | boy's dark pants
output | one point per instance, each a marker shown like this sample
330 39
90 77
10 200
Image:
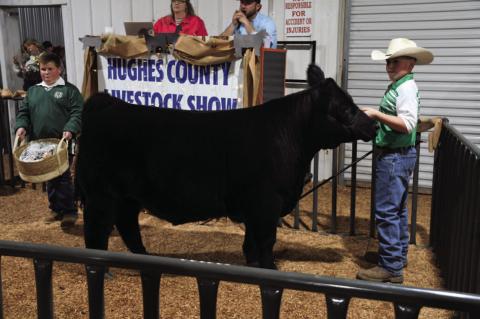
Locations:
61 194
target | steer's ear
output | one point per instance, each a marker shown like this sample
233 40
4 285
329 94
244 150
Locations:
315 75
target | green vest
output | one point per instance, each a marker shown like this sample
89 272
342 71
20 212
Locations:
387 137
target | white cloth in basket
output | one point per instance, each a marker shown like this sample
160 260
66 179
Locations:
37 151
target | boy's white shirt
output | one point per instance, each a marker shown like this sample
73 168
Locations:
407 104
60 81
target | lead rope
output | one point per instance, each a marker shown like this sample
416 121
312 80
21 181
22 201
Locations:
317 186
333 176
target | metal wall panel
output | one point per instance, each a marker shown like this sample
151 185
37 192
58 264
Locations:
449 87
122 10
42 24
216 14
80 21
101 15
142 10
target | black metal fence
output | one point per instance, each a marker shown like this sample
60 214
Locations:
455 223
407 300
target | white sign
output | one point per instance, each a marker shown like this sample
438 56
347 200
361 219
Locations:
298 18
170 83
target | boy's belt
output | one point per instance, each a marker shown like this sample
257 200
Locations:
400 150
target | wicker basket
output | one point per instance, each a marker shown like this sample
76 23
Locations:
45 169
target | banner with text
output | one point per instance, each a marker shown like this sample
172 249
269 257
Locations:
169 83
298 18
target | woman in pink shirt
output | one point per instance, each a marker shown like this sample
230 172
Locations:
182 20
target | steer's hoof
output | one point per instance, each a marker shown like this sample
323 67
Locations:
255 264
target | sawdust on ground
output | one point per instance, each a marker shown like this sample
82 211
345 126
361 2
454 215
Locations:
320 253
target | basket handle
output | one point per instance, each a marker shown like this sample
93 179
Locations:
16 143
63 140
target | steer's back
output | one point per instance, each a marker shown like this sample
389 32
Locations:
181 165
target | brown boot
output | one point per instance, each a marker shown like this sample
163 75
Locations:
372 258
68 220
379 274
52 217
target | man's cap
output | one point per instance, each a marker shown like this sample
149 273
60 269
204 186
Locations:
249 1
404 47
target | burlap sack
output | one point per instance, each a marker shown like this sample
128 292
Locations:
251 78
434 136
425 124
204 51
123 46
90 74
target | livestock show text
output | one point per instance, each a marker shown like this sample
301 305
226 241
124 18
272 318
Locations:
170 83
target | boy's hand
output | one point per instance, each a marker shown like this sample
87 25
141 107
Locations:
67 135
21 132
371 112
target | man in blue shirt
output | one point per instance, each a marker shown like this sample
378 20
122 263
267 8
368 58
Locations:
249 20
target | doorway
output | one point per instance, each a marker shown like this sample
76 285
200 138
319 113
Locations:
41 23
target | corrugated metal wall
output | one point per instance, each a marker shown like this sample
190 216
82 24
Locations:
42 24
450 87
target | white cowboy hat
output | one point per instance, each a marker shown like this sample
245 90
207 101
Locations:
404 47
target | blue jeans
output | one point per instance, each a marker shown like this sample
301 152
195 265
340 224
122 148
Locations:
391 189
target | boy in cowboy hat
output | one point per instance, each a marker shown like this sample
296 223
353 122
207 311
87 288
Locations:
396 157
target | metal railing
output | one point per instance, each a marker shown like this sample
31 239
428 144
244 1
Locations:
455 222
407 300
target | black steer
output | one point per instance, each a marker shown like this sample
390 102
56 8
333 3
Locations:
185 166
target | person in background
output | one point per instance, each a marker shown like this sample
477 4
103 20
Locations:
26 64
248 20
396 157
182 20
60 51
47 46
52 109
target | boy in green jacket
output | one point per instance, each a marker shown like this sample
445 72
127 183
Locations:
52 109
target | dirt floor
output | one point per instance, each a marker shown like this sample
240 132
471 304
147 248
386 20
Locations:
320 253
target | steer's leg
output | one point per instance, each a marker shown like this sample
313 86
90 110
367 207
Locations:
262 224
98 221
250 250
265 237
128 227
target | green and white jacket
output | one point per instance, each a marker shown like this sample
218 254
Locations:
401 99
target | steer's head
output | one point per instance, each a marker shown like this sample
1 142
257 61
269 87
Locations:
335 116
